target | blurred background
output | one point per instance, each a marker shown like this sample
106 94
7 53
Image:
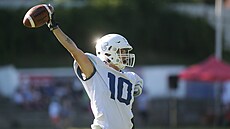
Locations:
182 52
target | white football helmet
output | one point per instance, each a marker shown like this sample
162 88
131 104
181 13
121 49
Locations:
114 48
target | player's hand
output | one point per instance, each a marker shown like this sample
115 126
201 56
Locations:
52 23
137 90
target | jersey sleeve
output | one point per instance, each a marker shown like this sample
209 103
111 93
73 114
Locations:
138 84
138 79
94 59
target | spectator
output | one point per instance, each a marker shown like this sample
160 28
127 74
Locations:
37 96
18 98
54 112
28 98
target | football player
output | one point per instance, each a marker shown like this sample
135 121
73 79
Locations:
111 91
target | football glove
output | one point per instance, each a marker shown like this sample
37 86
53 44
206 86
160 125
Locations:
137 90
52 23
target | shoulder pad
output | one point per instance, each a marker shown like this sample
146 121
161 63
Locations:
95 60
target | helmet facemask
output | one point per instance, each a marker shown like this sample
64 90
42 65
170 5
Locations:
126 58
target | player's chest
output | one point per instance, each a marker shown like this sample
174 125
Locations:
120 86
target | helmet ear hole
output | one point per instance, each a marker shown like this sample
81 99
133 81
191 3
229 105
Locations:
109 48
107 54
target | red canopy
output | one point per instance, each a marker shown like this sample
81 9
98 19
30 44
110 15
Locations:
211 69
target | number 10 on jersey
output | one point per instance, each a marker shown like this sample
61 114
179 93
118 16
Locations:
119 88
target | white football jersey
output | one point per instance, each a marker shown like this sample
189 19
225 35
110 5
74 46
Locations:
110 93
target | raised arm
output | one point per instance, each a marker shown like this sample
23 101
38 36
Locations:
83 61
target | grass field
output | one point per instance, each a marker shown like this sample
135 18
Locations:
156 128
172 128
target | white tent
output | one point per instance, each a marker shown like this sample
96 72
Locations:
9 80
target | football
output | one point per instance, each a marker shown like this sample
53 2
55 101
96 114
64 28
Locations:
37 16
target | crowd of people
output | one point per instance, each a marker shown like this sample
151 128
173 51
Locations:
31 96
57 98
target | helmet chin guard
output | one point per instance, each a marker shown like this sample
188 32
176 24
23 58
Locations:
115 49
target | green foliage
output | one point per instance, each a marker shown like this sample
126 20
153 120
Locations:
149 27
104 3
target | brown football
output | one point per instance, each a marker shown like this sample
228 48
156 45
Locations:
37 16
